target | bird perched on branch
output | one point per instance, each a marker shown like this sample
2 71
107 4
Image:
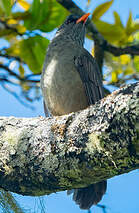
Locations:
71 81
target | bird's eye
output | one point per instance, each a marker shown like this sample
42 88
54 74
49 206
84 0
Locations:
71 20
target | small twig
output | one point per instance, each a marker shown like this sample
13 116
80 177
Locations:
31 75
10 71
8 81
103 207
30 80
22 79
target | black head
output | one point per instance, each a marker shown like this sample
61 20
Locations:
72 19
73 28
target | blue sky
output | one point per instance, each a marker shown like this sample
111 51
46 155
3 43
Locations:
122 194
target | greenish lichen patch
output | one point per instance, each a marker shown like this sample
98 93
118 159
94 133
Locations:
69 171
93 143
50 162
11 136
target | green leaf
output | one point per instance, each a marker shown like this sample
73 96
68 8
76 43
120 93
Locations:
128 71
6 32
114 76
135 27
101 9
131 26
136 38
125 59
136 63
6 6
21 15
25 5
111 32
129 21
32 51
117 19
45 15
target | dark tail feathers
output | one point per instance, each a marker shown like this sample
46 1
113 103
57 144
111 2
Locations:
86 197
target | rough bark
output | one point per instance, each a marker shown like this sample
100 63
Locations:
43 155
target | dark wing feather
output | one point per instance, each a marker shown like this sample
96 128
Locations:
90 76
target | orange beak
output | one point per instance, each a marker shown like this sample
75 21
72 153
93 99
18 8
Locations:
83 18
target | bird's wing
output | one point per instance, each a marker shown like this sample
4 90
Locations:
90 76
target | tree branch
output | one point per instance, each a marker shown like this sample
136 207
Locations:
98 38
22 79
17 58
117 51
44 155
2 66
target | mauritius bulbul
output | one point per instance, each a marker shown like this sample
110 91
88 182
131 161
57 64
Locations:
71 81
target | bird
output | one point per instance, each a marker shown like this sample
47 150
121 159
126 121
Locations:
71 81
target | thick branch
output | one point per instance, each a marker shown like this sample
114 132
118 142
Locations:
132 50
44 155
98 38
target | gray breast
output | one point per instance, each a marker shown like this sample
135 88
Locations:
62 87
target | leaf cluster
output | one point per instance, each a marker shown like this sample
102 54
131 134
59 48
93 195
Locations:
125 67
